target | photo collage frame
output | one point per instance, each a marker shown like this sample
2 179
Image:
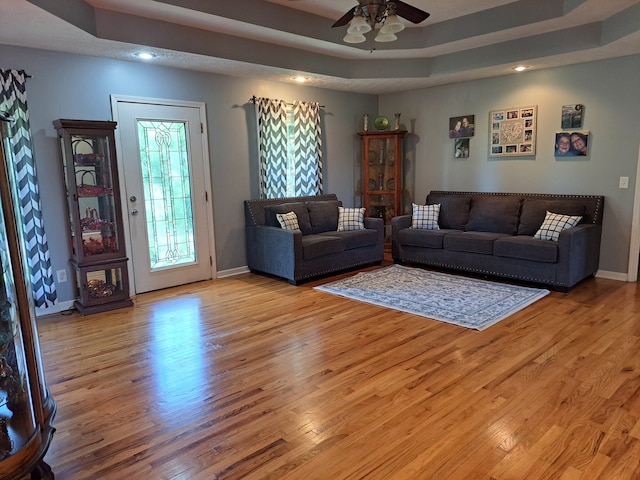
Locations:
512 131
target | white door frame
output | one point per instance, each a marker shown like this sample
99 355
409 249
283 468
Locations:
207 167
634 247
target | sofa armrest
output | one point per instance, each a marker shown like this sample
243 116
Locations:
376 223
398 223
578 253
274 250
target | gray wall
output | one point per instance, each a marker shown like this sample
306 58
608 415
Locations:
608 89
78 87
74 86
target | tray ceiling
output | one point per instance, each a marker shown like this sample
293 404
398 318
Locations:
280 39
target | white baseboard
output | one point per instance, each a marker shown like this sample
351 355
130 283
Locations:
57 308
612 275
232 271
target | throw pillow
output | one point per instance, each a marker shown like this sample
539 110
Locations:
350 219
288 221
553 224
323 215
425 217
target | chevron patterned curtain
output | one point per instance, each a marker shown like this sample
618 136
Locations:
307 148
290 148
13 101
272 144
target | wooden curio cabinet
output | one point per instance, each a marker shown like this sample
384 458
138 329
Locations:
26 408
95 216
382 175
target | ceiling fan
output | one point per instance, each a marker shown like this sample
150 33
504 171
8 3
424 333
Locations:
376 11
382 14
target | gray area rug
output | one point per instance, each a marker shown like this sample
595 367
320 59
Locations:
462 301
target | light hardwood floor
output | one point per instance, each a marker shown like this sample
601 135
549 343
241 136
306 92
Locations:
251 378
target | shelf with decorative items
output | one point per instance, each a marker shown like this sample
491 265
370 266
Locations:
26 407
95 216
382 185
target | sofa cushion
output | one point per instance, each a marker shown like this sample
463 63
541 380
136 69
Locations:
454 210
526 248
472 242
423 238
425 217
314 246
323 215
535 209
553 224
299 208
494 213
355 238
350 219
288 221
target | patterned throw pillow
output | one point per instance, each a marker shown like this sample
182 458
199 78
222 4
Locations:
425 217
553 224
288 221
350 219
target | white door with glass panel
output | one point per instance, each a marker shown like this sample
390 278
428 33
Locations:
163 156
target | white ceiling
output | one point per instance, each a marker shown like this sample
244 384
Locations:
279 39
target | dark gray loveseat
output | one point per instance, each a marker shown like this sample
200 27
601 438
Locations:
492 234
317 248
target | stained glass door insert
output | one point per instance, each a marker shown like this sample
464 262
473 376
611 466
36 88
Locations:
166 181
166 174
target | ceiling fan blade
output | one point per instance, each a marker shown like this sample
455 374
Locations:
411 13
346 18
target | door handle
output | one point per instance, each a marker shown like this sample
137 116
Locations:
134 211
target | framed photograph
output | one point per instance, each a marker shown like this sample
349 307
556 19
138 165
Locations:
462 127
572 144
513 131
572 116
461 148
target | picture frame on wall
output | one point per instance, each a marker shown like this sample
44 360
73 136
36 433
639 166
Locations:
462 127
512 131
572 144
572 116
461 148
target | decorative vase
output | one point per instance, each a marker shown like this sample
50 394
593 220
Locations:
396 126
365 121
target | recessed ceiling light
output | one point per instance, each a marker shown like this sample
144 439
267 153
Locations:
520 68
300 79
146 55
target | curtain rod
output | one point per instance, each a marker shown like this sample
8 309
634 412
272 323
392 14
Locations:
254 98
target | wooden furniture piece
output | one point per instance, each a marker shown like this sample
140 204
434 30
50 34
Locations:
95 216
382 183
26 408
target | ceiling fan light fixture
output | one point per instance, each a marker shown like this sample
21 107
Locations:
392 24
358 25
385 37
354 38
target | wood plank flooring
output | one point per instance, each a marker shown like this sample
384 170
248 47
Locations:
251 378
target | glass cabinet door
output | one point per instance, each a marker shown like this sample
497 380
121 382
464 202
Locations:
382 175
90 166
381 178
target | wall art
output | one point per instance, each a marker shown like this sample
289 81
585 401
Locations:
461 148
512 131
572 116
462 127
571 144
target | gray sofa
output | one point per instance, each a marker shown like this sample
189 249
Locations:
316 249
493 234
